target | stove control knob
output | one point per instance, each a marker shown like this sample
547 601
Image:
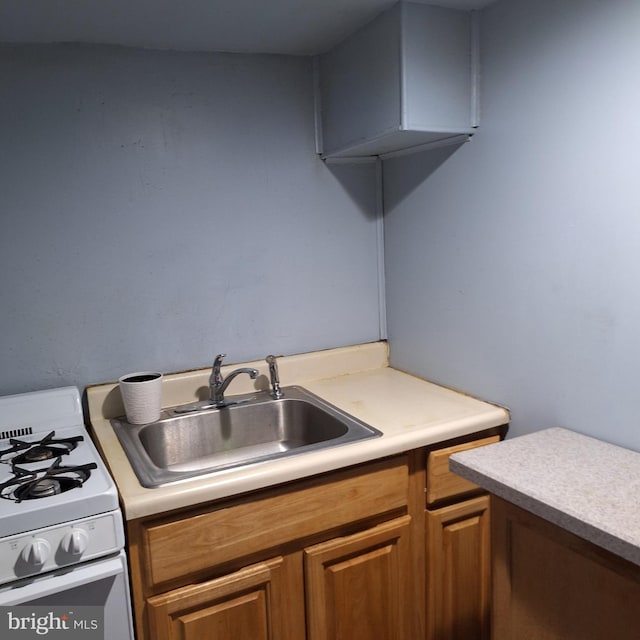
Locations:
75 542
36 553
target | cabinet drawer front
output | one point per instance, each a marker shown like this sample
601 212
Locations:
193 544
442 484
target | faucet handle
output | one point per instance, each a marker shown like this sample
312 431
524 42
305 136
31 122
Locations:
217 363
276 392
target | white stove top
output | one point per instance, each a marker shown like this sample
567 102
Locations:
27 418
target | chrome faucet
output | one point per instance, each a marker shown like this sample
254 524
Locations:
218 385
276 391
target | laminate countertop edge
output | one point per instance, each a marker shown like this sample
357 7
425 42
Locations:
586 486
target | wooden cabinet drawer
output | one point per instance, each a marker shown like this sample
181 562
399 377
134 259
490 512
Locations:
196 543
442 484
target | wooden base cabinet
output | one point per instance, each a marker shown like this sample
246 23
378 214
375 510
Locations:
458 548
354 585
327 558
337 557
552 585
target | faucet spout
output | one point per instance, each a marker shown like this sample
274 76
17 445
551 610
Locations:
218 384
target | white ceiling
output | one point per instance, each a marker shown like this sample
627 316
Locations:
299 27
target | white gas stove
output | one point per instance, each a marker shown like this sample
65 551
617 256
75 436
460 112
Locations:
60 522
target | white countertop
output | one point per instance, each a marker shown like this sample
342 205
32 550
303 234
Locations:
586 486
409 411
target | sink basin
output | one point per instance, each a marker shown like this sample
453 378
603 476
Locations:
186 445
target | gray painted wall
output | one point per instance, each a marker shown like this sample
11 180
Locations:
158 208
513 262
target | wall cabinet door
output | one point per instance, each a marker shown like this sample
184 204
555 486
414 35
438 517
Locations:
458 571
245 605
356 585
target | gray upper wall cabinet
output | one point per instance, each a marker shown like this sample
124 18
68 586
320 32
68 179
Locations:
406 79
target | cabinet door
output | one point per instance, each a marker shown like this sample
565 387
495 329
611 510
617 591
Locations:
552 585
245 605
458 571
356 586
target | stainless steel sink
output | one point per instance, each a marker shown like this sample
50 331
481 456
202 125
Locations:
185 445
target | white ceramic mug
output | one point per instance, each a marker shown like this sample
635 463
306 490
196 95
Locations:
142 396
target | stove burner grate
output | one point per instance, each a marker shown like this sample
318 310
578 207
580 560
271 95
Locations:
43 483
23 452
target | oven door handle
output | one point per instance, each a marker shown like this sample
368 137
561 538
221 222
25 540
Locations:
50 583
